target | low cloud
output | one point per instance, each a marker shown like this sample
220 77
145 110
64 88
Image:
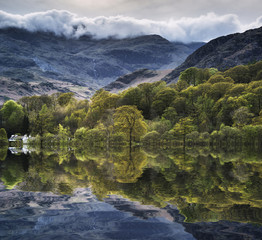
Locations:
64 23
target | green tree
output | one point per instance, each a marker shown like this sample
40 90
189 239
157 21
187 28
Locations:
189 76
3 137
13 117
161 126
44 122
80 134
195 76
132 96
180 106
204 107
149 90
63 135
129 120
3 152
218 78
219 89
237 89
242 116
183 127
240 74
95 137
65 98
151 138
170 114
100 102
163 99
107 121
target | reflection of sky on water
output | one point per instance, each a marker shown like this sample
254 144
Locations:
189 181
27 215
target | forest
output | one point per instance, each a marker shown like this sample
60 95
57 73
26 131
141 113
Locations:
205 107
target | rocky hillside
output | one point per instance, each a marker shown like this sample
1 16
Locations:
224 52
135 78
30 61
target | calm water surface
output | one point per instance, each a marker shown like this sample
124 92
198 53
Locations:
130 194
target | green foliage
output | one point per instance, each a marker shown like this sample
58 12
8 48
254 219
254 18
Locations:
100 103
206 96
80 134
170 114
242 116
129 120
163 99
151 138
63 135
3 137
3 152
13 115
205 185
148 93
184 127
161 126
132 96
240 74
65 98
195 76
44 122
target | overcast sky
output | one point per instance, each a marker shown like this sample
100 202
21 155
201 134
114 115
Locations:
177 20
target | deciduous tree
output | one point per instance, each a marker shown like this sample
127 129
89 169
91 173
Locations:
183 127
129 120
13 116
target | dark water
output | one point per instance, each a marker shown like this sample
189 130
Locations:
138 194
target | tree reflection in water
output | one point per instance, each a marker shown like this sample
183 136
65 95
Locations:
205 186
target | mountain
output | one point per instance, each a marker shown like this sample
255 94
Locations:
223 53
40 62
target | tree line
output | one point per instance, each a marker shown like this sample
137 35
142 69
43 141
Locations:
205 106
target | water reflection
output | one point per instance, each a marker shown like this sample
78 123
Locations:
190 189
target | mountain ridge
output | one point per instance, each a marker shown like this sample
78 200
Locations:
80 65
224 52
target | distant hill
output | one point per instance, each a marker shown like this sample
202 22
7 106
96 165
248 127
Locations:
223 53
38 63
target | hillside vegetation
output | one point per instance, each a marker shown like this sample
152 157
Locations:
205 106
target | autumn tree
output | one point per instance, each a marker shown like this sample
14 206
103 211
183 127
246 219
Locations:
129 120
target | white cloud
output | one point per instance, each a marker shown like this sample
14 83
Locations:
64 23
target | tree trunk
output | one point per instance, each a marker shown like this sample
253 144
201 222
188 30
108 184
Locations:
184 142
130 138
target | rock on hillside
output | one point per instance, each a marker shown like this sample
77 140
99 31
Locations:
135 78
224 52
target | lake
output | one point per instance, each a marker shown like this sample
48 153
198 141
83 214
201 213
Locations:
130 194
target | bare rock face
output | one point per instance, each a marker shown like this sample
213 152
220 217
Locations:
81 65
224 52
